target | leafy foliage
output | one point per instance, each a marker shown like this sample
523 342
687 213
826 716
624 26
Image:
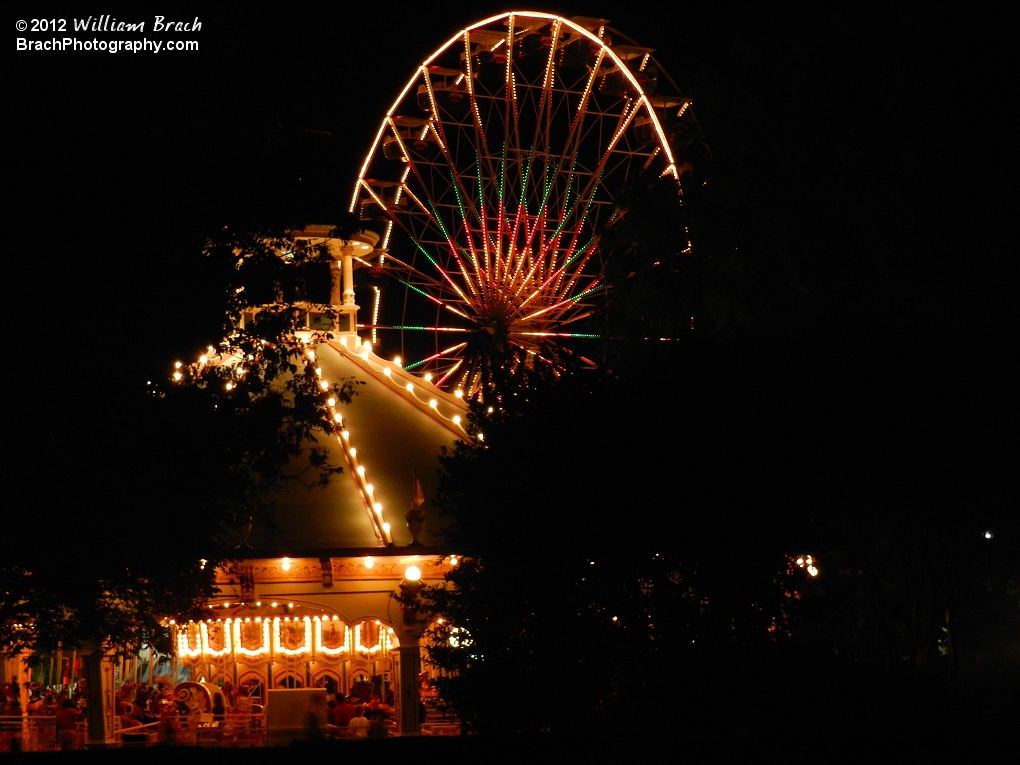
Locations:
585 552
146 492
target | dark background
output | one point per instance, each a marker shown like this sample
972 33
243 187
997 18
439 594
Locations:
872 144
862 152
864 161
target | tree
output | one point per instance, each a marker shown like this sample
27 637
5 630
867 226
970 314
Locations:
145 492
586 548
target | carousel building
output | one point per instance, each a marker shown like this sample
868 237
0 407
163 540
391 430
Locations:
315 604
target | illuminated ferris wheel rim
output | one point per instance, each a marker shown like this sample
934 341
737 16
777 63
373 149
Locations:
524 288
620 64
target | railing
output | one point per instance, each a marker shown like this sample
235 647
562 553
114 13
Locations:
37 733
34 733
235 730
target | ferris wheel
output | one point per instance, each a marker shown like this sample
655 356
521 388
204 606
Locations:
490 182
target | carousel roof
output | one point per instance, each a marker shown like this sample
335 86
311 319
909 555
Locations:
390 435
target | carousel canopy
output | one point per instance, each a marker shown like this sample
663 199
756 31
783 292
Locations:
386 439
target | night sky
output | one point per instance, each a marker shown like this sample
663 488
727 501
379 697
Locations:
869 147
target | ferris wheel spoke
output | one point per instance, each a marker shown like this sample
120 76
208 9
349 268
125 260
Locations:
441 354
411 327
434 261
467 213
494 201
425 280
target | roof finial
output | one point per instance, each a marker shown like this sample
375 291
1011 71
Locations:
416 515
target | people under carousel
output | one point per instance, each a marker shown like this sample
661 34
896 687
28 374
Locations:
359 723
65 720
344 711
